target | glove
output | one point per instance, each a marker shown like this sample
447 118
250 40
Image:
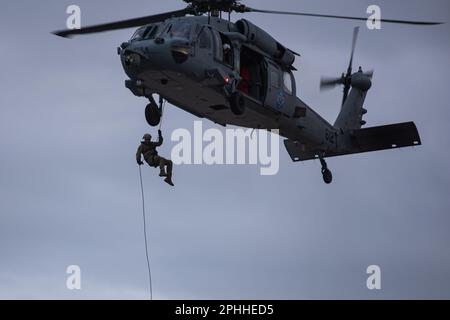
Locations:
140 162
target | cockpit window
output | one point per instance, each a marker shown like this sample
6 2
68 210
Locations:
150 33
181 30
145 33
139 34
287 80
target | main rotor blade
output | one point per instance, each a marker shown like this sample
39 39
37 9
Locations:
130 23
342 17
355 38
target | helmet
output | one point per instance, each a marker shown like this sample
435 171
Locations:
147 136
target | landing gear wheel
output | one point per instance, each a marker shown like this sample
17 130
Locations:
327 176
326 173
152 114
237 103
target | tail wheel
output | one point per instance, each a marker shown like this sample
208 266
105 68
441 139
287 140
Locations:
327 176
152 114
237 103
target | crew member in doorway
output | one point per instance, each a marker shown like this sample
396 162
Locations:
227 54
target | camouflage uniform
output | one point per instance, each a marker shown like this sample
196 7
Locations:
148 150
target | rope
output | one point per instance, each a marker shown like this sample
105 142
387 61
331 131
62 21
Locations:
143 216
145 236
162 113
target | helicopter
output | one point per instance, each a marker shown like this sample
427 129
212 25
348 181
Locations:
235 73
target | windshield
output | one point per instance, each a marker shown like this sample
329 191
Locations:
151 32
145 33
138 34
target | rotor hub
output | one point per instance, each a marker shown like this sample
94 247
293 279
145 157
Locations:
361 81
203 6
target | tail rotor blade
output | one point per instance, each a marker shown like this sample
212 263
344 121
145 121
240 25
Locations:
355 39
345 79
330 83
346 90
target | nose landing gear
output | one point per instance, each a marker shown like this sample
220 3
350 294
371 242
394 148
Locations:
326 173
153 112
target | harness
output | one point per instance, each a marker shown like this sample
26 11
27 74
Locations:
149 152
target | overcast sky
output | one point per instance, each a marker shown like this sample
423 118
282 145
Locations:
69 188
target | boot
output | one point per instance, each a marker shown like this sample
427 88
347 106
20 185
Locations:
162 173
169 181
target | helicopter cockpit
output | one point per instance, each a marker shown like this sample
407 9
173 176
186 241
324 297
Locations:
138 34
177 29
145 33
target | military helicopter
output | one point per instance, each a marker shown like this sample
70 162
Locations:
235 73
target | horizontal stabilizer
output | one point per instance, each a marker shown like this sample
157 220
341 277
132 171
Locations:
386 137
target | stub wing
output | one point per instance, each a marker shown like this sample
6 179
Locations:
385 137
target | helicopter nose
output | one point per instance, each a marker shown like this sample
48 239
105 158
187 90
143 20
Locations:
130 58
154 55
132 62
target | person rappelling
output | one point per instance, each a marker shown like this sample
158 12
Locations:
147 148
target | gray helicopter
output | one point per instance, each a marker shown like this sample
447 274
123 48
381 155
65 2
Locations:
235 73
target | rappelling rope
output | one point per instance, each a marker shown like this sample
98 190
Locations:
147 255
162 113
145 236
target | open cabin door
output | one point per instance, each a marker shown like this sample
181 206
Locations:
253 74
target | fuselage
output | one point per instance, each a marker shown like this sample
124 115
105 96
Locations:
196 62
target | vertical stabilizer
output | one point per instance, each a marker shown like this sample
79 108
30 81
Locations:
352 111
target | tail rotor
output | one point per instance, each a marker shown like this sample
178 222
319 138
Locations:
346 78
